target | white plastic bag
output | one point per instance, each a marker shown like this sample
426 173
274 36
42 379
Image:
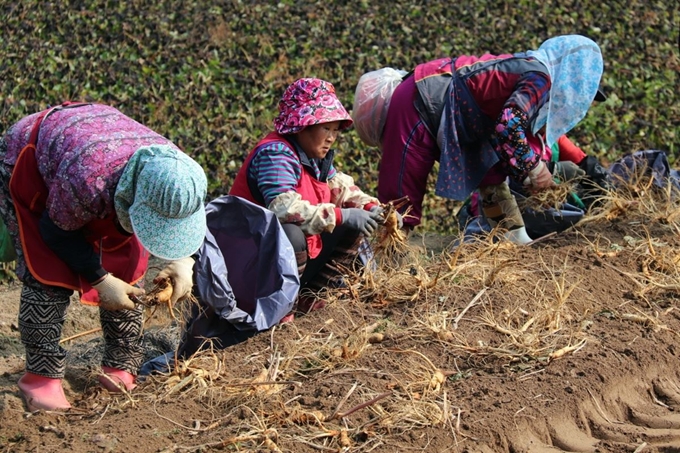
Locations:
371 101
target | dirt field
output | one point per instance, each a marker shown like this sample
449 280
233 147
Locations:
569 344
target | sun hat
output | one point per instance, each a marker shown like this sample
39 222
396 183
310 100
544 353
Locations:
163 190
307 102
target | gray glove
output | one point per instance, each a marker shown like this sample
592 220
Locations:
567 170
363 221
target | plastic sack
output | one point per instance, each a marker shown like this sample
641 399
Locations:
551 220
7 251
371 101
653 163
245 276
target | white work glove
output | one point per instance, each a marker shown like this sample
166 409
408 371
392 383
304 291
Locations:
114 294
379 210
181 274
539 178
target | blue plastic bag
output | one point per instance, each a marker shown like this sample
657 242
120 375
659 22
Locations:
245 279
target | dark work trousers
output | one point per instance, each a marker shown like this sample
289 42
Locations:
340 250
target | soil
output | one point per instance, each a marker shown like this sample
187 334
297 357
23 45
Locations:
570 345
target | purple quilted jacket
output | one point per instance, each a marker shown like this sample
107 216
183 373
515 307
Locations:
81 153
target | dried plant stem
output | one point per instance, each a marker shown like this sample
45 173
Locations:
250 384
543 238
218 444
600 409
343 401
640 447
81 334
316 446
472 303
363 405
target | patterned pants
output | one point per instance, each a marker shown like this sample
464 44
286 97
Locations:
42 310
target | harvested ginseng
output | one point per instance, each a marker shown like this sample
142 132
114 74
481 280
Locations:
160 295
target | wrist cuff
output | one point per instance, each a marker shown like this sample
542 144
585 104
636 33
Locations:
551 167
95 276
101 280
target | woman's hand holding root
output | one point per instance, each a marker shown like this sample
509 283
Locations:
180 272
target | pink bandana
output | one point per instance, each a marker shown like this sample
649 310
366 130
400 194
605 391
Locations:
307 102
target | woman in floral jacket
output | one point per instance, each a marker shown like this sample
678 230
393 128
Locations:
87 194
476 116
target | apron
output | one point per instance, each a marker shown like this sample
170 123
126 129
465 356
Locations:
120 254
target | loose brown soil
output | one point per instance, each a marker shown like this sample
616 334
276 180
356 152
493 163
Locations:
568 344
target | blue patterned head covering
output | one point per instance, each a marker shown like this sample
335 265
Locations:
160 198
575 66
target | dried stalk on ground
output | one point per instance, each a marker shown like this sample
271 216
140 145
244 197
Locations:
553 197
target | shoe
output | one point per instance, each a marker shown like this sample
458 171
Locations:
518 236
42 392
308 304
290 317
112 379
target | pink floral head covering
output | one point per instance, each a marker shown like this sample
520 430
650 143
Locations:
307 102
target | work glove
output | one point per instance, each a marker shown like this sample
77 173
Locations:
379 210
114 294
595 172
596 184
364 221
567 171
539 178
181 274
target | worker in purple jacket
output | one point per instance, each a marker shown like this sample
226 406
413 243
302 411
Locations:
475 116
87 194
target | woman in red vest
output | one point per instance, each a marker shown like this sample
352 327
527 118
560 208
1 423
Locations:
86 194
290 171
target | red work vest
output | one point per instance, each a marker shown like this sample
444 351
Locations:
309 188
121 255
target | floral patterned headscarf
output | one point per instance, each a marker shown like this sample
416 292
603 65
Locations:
307 102
575 66
160 198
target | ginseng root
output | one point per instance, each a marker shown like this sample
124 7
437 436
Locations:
390 235
160 294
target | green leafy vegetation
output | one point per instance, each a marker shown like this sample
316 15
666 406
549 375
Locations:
208 75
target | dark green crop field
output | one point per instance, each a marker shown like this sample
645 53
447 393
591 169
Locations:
208 74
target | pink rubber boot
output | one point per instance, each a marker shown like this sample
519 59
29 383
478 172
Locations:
41 392
305 304
290 317
113 378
